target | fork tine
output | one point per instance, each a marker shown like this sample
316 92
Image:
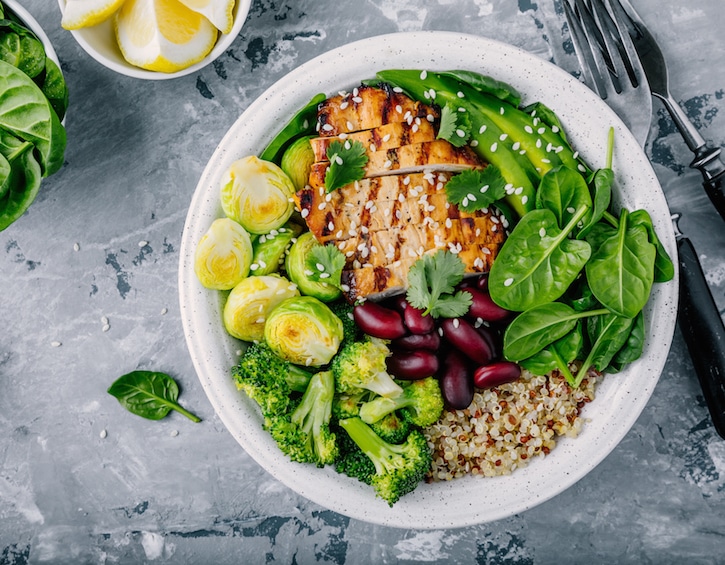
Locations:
590 59
627 24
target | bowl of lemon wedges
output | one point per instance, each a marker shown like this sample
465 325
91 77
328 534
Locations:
154 39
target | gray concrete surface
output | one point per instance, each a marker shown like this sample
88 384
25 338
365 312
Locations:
83 481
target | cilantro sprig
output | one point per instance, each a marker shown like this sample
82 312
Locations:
432 281
325 263
455 126
347 163
475 189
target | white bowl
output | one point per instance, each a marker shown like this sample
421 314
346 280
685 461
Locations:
620 398
100 43
34 26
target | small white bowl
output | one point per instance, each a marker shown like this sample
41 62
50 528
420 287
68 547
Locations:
34 26
100 43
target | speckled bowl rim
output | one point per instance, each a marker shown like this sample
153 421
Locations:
620 398
100 43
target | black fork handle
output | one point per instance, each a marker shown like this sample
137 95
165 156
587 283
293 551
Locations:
703 331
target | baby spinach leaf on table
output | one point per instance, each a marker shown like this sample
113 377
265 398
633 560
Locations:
149 394
664 268
26 113
476 189
607 334
564 191
621 269
538 262
24 183
539 327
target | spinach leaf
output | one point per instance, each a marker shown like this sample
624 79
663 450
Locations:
602 188
664 268
21 48
579 296
26 113
538 262
23 186
149 394
558 355
621 270
607 334
302 123
632 348
564 191
55 88
539 327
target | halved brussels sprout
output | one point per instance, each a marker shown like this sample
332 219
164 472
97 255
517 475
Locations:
257 194
250 302
297 161
270 249
304 331
223 255
298 273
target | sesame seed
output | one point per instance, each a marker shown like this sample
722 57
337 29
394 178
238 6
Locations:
305 212
516 146
460 95
508 282
430 117
423 75
456 322
464 202
524 199
399 109
474 143
494 146
482 128
528 129
164 311
503 137
324 275
105 327
542 232
471 197
356 99
388 164
386 137
541 131
321 206
143 243
327 127
253 267
501 110
350 126
55 344
538 143
76 247
581 168
343 105
571 209
432 94
460 133
331 226
555 129
484 188
373 149
519 190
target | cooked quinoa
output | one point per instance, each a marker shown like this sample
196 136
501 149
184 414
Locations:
506 426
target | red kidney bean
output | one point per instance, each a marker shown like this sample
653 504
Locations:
378 321
456 381
482 283
496 374
412 365
483 307
430 341
491 339
416 322
464 337
398 303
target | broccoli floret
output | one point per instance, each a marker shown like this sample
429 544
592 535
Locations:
398 468
361 365
348 405
392 428
350 330
304 433
267 379
352 461
421 403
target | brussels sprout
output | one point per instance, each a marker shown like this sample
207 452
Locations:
250 302
303 331
298 273
257 194
223 255
270 249
297 161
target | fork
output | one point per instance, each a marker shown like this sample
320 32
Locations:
611 67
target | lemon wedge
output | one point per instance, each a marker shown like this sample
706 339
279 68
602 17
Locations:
86 13
163 35
218 12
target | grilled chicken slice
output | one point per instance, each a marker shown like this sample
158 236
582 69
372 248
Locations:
382 138
416 157
368 107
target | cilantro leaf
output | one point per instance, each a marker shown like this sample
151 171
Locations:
475 189
455 126
325 264
432 281
347 163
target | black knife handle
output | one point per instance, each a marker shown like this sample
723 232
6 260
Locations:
707 161
704 333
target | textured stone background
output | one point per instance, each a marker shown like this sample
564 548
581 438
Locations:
102 240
